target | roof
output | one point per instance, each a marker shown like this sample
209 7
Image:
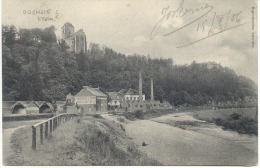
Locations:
7 104
89 91
32 103
68 24
46 103
132 92
122 91
39 102
79 31
69 94
115 95
23 103
74 34
60 102
12 104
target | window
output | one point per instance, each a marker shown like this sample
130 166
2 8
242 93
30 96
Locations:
134 98
130 98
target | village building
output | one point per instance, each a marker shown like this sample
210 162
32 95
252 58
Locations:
132 94
211 65
76 41
26 107
6 105
32 108
115 99
70 99
91 100
135 100
45 107
19 107
60 106
72 109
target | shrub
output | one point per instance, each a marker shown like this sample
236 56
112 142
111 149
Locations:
121 119
129 116
139 114
97 116
78 120
218 121
144 144
234 116
237 123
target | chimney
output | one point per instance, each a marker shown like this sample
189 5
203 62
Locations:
152 98
140 86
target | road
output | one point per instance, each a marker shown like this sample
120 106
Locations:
7 133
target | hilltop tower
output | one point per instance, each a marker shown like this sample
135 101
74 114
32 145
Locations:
77 41
67 30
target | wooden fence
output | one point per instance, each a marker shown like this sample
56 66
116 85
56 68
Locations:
49 126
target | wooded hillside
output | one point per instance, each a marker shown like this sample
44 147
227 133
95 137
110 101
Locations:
46 71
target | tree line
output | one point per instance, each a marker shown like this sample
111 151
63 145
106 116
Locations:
46 70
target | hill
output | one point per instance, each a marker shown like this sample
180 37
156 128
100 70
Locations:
45 70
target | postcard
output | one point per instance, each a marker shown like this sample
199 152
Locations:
129 83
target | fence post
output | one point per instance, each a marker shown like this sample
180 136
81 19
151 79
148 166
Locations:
51 126
34 137
46 129
41 133
55 123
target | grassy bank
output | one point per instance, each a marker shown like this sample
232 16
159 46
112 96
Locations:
242 120
26 117
13 124
82 142
148 114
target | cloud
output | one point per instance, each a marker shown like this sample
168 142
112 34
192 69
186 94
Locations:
173 23
140 40
125 26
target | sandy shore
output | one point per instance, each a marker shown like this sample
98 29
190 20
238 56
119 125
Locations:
206 144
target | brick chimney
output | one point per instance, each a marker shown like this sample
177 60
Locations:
140 86
152 97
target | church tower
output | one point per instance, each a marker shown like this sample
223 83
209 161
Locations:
76 41
67 30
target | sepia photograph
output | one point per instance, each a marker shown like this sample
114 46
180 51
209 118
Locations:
129 83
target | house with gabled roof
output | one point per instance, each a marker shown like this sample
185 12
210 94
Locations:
133 94
115 99
60 106
70 99
26 107
6 107
91 100
19 107
32 108
45 107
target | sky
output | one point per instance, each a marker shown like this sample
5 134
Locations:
184 30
